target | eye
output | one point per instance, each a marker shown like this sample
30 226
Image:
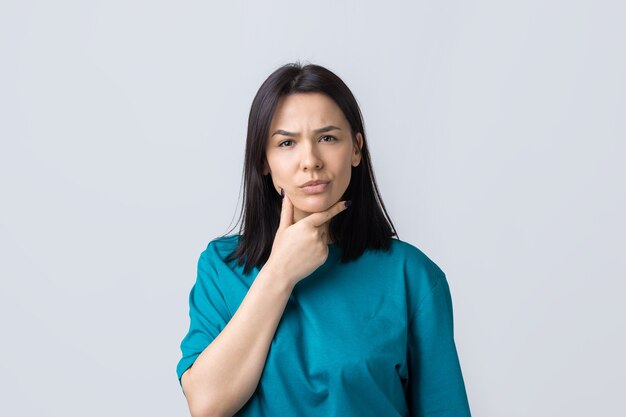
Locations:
329 136
280 145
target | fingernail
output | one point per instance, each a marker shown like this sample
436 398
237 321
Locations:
282 193
347 203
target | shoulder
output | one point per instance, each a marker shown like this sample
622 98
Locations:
413 254
218 249
418 266
423 278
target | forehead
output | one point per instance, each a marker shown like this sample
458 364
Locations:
314 109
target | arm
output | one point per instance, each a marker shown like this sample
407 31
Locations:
226 373
436 386
227 356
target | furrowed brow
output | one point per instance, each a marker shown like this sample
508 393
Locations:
320 130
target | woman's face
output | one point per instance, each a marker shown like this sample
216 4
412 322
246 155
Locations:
309 139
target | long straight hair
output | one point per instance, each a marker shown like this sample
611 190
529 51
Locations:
364 225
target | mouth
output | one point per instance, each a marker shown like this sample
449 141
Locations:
316 187
314 182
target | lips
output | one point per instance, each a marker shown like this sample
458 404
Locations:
314 182
315 189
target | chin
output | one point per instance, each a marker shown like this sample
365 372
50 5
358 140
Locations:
314 207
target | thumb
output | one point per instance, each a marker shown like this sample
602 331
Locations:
286 213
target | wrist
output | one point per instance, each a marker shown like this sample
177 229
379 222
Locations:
275 278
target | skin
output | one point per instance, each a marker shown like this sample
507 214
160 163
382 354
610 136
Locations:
220 382
292 160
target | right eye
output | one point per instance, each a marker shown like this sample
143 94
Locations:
280 145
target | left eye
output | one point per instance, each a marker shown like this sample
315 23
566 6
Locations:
328 136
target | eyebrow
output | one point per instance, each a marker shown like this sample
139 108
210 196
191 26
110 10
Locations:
320 130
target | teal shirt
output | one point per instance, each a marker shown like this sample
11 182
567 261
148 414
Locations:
372 337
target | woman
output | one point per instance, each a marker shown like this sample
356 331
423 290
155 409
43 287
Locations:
314 309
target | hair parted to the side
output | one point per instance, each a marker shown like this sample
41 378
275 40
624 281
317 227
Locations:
364 225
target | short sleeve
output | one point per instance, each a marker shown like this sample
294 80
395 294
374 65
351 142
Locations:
436 386
208 312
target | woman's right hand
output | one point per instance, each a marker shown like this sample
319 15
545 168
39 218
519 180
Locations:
300 248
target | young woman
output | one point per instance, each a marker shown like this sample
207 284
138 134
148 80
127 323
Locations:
314 308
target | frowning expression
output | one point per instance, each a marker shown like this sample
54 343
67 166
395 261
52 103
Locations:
310 140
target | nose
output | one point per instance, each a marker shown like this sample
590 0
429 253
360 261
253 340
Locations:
310 158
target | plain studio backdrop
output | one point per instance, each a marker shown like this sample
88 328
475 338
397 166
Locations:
497 131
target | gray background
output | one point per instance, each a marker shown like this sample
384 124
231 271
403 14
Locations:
497 133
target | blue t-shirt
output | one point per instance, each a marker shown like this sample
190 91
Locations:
371 337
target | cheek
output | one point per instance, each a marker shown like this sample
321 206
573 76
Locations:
345 173
279 171
348 166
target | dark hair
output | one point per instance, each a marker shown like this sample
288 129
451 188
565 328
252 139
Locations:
366 223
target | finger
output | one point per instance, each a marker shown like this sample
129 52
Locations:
286 213
318 219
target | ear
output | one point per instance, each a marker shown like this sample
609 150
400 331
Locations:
356 156
266 168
